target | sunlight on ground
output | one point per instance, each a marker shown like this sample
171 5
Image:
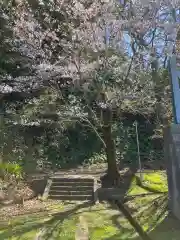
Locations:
105 222
155 180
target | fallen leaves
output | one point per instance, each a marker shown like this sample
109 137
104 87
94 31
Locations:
29 207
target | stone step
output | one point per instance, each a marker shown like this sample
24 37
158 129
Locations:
71 198
73 184
73 193
77 180
71 188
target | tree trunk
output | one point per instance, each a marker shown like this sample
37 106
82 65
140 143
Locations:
112 173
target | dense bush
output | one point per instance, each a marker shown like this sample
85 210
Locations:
77 145
127 142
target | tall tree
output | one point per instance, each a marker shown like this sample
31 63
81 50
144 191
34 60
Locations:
76 48
99 73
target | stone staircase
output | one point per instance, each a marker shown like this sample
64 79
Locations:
70 188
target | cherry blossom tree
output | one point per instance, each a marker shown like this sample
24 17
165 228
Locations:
81 46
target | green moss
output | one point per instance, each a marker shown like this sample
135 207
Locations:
156 180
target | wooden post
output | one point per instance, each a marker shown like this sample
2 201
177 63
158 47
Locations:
95 191
47 189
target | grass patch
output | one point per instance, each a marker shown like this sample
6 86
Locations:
105 222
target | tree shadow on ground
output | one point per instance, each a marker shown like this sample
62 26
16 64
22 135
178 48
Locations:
151 215
53 225
31 219
147 214
153 211
127 179
150 212
168 229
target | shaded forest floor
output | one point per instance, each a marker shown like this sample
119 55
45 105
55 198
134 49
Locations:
57 220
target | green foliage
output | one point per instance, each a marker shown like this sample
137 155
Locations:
72 146
11 170
96 158
126 142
